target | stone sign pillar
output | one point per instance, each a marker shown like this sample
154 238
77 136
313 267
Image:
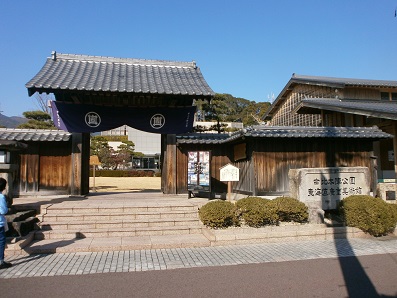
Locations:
324 188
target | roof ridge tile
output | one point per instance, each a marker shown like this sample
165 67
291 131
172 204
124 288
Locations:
131 61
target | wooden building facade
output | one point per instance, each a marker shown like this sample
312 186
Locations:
43 162
264 155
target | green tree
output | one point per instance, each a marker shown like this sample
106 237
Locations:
107 158
218 111
253 113
124 153
110 158
37 120
99 146
98 143
227 108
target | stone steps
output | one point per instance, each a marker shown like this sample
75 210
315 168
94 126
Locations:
117 232
98 209
113 222
59 222
117 216
128 223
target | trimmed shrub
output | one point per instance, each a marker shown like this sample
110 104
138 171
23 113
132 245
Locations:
372 215
256 212
393 207
218 214
290 209
245 203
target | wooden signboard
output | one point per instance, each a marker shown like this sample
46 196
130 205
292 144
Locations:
94 161
229 173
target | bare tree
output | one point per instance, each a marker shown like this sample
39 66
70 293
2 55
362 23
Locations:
42 101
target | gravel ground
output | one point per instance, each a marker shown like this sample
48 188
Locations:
111 184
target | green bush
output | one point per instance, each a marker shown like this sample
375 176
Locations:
290 209
244 203
393 207
256 212
372 215
218 214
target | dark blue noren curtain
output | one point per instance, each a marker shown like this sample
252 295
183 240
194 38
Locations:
92 118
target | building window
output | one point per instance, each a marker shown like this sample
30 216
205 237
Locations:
384 96
388 95
146 163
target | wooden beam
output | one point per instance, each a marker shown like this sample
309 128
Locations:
75 188
169 171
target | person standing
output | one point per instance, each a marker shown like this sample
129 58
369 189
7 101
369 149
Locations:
3 224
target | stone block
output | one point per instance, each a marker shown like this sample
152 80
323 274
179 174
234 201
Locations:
326 187
387 192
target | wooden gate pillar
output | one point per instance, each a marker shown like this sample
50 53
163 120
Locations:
169 164
80 164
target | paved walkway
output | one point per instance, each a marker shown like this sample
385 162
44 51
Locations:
165 259
77 263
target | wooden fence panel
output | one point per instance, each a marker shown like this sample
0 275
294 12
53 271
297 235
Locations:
55 166
272 161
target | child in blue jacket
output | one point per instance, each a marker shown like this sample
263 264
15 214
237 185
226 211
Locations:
3 224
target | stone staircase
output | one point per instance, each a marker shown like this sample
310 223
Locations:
94 222
102 227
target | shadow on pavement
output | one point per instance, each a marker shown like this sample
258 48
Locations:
357 282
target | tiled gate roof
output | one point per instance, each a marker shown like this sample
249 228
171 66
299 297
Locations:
95 73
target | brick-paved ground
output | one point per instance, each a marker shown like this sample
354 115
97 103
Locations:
165 259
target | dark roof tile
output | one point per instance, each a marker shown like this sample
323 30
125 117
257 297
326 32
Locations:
39 135
285 132
94 73
370 108
343 81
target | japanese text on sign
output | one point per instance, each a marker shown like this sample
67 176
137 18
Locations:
337 186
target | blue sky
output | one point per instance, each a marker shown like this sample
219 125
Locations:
248 49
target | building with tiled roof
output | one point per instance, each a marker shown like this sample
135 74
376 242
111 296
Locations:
301 88
342 102
266 154
36 161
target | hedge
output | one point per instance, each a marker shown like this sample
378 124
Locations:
218 214
290 209
256 212
372 215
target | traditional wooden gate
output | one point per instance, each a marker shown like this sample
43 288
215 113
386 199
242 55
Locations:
105 92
